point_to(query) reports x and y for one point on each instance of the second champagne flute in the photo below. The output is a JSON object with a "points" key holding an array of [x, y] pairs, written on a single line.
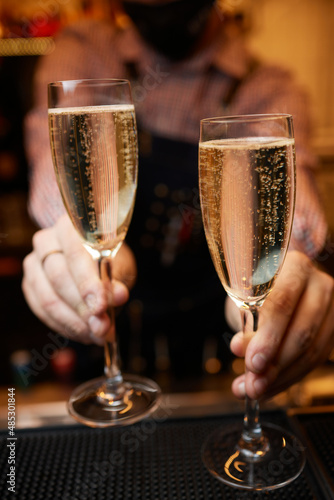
{"points": [[94, 149], [247, 190]]}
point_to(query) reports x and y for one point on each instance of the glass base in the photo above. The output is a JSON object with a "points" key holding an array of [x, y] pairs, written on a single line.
{"points": [[280, 463], [91, 404]]}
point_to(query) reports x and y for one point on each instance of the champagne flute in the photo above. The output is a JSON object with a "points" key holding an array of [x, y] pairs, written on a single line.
{"points": [[247, 192], [94, 149]]}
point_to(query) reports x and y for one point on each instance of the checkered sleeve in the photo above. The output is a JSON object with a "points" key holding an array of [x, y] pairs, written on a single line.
{"points": [[44, 203], [76, 56], [310, 228]]}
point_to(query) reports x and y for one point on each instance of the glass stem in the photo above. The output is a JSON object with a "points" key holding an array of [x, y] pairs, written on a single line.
{"points": [[112, 365], [252, 442]]}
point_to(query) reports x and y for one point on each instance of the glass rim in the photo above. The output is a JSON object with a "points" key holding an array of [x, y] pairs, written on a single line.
{"points": [[92, 82], [245, 118]]}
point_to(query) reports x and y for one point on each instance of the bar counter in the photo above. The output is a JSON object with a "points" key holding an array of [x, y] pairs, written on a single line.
{"points": [[158, 458]]}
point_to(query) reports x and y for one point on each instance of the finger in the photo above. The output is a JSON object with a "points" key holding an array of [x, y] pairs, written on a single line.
{"points": [[45, 241], [306, 329], [232, 314], [277, 378], [124, 266], [280, 375], [238, 345], [56, 270], [53, 311], [119, 293], [276, 313], [239, 342], [62, 282], [291, 375], [307, 340], [83, 269], [48, 307], [60, 279], [238, 387]]}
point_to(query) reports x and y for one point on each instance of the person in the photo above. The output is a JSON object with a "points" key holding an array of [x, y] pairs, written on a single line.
{"points": [[185, 61]]}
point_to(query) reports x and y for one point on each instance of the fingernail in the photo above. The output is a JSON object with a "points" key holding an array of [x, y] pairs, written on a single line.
{"points": [[91, 301], [95, 325], [260, 385], [259, 362], [242, 389]]}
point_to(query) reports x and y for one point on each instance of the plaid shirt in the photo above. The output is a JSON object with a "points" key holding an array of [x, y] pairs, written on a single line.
{"points": [[171, 98]]}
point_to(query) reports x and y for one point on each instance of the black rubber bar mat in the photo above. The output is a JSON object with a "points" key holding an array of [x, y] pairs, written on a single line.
{"points": [[156, 459], [317, 433]]}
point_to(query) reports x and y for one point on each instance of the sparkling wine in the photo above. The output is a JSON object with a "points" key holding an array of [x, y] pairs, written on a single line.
{"points": [[247, 191], [95, 155]]}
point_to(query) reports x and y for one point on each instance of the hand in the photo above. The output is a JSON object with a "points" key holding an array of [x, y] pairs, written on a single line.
{"points": [[295, 333], [65, 291]]}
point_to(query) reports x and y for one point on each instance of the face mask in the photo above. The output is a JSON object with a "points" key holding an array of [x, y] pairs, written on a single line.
{"points": [[172, 28]]}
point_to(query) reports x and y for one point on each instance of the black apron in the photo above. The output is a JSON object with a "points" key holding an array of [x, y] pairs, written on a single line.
{"points": [[178, 296]]}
